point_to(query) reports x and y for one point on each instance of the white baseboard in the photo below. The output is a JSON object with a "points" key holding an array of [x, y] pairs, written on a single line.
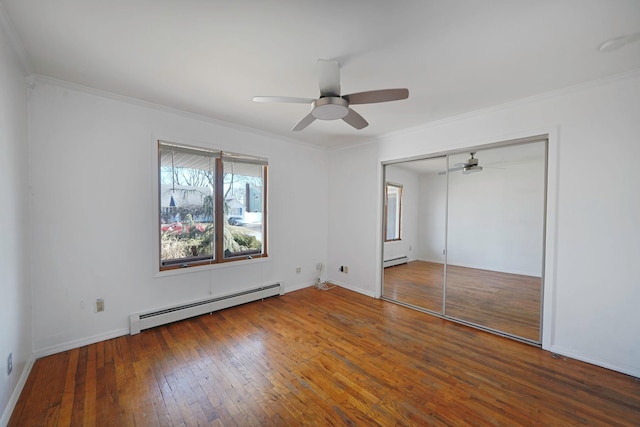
{"points": [[499, 270], [354, 289], [434, 261], [297, 287], [8, 410], [58, 348], [634, 372]]}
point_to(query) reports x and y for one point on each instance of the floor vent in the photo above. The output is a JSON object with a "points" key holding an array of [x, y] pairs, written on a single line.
{"points": [[395, 261], [151, 319]]}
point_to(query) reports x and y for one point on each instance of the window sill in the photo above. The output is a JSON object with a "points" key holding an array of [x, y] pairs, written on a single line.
{"points": [[207, 267]]}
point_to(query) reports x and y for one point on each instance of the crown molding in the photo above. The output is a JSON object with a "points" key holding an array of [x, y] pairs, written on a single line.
{"points": [[14, 41], [33, 80], [604, 81]]}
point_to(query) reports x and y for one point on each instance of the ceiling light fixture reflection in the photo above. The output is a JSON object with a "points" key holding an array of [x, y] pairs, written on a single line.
{"points": [[618, 42], [471, 169]]}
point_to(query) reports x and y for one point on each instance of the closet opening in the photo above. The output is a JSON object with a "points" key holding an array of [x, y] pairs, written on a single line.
{"points": [[473, 231]]}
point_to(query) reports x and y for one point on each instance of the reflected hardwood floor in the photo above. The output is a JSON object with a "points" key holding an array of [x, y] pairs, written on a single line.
{"points": [[315, 357], [418, 283], [502, 301], [506, 302]]}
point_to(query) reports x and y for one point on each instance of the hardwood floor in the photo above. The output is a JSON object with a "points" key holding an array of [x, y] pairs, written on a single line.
{"points": [[316, 357], [506, 302]]}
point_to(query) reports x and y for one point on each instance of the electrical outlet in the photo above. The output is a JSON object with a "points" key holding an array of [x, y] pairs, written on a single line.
{"points": [[346, 269], [298, 270], [10, 364], [99, 305]]}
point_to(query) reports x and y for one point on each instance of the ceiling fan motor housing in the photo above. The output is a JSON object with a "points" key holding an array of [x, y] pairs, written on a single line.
{"points": [[330, 108]]}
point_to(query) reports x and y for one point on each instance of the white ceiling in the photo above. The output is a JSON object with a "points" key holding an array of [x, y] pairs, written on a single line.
{"points": [[211, 57]]}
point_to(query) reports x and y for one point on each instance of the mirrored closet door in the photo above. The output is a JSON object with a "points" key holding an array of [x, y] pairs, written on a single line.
{"points": [[467, 239]]}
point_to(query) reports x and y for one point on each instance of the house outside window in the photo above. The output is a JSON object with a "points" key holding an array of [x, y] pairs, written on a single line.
{"points": [[211, 206]]}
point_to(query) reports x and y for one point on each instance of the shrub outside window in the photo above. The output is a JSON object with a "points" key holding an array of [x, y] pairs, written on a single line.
{"points": [[212, 206]]}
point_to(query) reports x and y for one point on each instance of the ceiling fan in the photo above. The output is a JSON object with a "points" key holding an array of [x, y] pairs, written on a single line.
{"points": [[333, 106], [471, 166]]}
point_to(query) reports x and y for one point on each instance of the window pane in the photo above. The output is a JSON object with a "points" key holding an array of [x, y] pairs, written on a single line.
{"points": [[187, 180], [243, 208], [392, 211]]}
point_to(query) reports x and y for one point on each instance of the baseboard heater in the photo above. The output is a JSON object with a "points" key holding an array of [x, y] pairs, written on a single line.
{"points": [[395, 261], [151, 319]]}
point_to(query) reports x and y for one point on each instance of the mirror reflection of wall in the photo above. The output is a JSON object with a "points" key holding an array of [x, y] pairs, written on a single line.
{"points": [[487, 214]]}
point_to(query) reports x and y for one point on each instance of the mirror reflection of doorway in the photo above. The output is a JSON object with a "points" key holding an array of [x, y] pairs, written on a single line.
{"points": [[471, 246]]}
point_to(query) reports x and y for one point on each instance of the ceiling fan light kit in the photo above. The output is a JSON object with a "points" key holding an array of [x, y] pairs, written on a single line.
{"points": [[331, 105], [330, 108], [471, 169]]}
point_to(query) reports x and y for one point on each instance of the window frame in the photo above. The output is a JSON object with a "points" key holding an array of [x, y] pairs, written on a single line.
{"points": [[398, 222], [218, 217]]}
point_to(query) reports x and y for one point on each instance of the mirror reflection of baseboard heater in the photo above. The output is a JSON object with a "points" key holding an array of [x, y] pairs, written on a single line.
{"points": [[395, 261]]}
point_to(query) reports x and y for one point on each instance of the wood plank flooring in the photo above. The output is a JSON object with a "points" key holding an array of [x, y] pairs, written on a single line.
{"points": [[506, 302], [316, 357]]}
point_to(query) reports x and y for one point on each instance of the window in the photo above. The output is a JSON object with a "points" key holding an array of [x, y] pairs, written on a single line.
{"points": [[243, 189], [392, 211], [212, 206]]}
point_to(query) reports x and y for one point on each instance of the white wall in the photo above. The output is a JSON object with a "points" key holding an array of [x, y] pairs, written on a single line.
{"points": [[407, 245], [15, 296], [92, 177], [355, 218], [592, 291]]}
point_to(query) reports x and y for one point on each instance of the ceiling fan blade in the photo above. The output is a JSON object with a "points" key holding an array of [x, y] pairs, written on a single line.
{"points": [[328, 77], [355, 120], [306, 121], [454, 169], [282, 99], [373, 96]]}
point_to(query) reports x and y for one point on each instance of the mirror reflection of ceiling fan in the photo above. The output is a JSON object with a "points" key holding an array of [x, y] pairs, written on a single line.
{"points": [[471, 166], [333, 106]]}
